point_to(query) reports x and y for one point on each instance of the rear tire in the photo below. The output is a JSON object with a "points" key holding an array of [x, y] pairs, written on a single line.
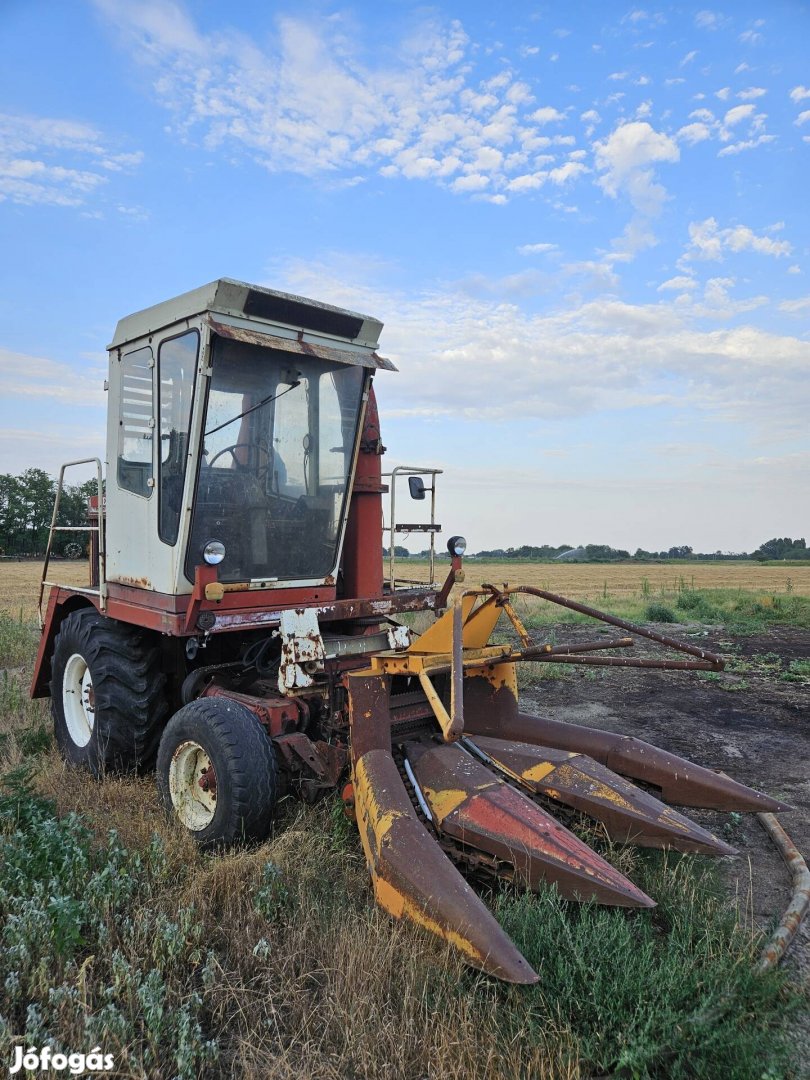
{"points": [[217, 772], [108, 695]]}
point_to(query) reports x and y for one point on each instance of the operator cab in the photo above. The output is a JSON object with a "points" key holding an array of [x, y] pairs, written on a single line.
{"points": [[234, 424]]}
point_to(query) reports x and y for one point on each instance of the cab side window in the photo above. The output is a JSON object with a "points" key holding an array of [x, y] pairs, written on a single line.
{"points": [[177, 363], [136, 422]]}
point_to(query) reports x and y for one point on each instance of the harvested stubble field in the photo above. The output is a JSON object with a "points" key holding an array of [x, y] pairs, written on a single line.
{"points": [[275, 961], [594, 580]]}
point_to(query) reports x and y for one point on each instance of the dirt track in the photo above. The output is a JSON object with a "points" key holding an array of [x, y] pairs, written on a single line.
{"points": [[750, 723]]}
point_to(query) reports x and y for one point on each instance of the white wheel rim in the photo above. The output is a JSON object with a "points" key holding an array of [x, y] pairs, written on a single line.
{"points": [[78, 700], [192, 786]]}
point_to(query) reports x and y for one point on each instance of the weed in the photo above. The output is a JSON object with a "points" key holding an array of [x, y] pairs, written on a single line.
{"points": [[798, 672], [658, 612], [533, 672], [67, 904]]}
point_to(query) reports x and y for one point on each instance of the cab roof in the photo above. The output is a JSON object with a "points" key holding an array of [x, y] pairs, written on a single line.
{"points": [[257, 305]]}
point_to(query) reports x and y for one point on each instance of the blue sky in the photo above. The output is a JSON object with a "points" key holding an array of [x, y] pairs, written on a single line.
{"points": [[584, 225]]}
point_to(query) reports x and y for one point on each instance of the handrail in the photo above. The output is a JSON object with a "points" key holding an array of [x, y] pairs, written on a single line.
{"points": [[101, 591], [432, 528]]}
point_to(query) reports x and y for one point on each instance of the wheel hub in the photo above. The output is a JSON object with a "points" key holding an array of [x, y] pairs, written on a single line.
{"points": [[78, 700], [193, 785]]}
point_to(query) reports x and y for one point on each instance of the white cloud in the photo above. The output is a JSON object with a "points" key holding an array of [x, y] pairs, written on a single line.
{"points": [[723, 93], [536, 249], [752, 93], [750, 37], [591, 118], [547, 115], [795, 269], [746, 144], [709, 20], [707, 241], [35, 377], [694, 133], [627, 159], [54, 162], [677, 284], [803, 117], [690, 56], [799, 93], [471, 182], [569, 171], [796, 307], [738, 113], [304, 101], [527, 182], [591, 356]]}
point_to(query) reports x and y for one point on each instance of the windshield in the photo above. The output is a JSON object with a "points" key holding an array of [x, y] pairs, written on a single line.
{"points": [[279, 435]]}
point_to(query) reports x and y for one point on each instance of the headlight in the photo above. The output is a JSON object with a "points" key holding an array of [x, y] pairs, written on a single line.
{"points": [[456, 545], [214, 552]]}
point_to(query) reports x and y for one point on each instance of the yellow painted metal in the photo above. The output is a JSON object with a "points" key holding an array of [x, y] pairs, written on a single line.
{"points": [[516, 621], [403, 663], [450, 730], [376, 824], [478, 626], [503, 676], [438, 638]]}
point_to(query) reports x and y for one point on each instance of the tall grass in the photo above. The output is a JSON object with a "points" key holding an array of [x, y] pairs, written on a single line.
{"points": [[738, 610]]}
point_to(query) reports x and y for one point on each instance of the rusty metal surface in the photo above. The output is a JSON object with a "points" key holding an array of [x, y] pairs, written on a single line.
{"points": [[680, 781], [800, 898], [629, 814], [612, 620], [296, 345], [473, 806], [413, 878], [278, 715], [629, 661], [582, 647], [369, 715], [314, 766]]}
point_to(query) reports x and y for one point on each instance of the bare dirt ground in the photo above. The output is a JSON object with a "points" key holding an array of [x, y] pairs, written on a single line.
{"points": [[749, 722]]}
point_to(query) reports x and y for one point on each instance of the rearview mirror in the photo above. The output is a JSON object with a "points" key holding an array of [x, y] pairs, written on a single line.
{"points": [[417, 487]]}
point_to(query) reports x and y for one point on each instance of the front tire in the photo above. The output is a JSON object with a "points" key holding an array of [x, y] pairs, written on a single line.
{"points": [[217, 773], [108, 695]]}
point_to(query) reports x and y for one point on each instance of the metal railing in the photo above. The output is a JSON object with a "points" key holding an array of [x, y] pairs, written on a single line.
{"points": [[395, 527], [101, 591]]}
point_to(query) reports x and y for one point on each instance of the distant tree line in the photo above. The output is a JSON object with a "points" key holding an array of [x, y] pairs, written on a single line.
{"points": [[26, 506]]}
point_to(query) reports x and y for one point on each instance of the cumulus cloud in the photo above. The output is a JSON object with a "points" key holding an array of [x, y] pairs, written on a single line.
{"points": [[627, 160], [707, 241], [799, 93], [547, 115], [694, 133], [677, 284]]}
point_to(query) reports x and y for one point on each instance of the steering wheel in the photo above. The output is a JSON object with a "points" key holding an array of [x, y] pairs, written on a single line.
{"points": [[260, 472]]}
